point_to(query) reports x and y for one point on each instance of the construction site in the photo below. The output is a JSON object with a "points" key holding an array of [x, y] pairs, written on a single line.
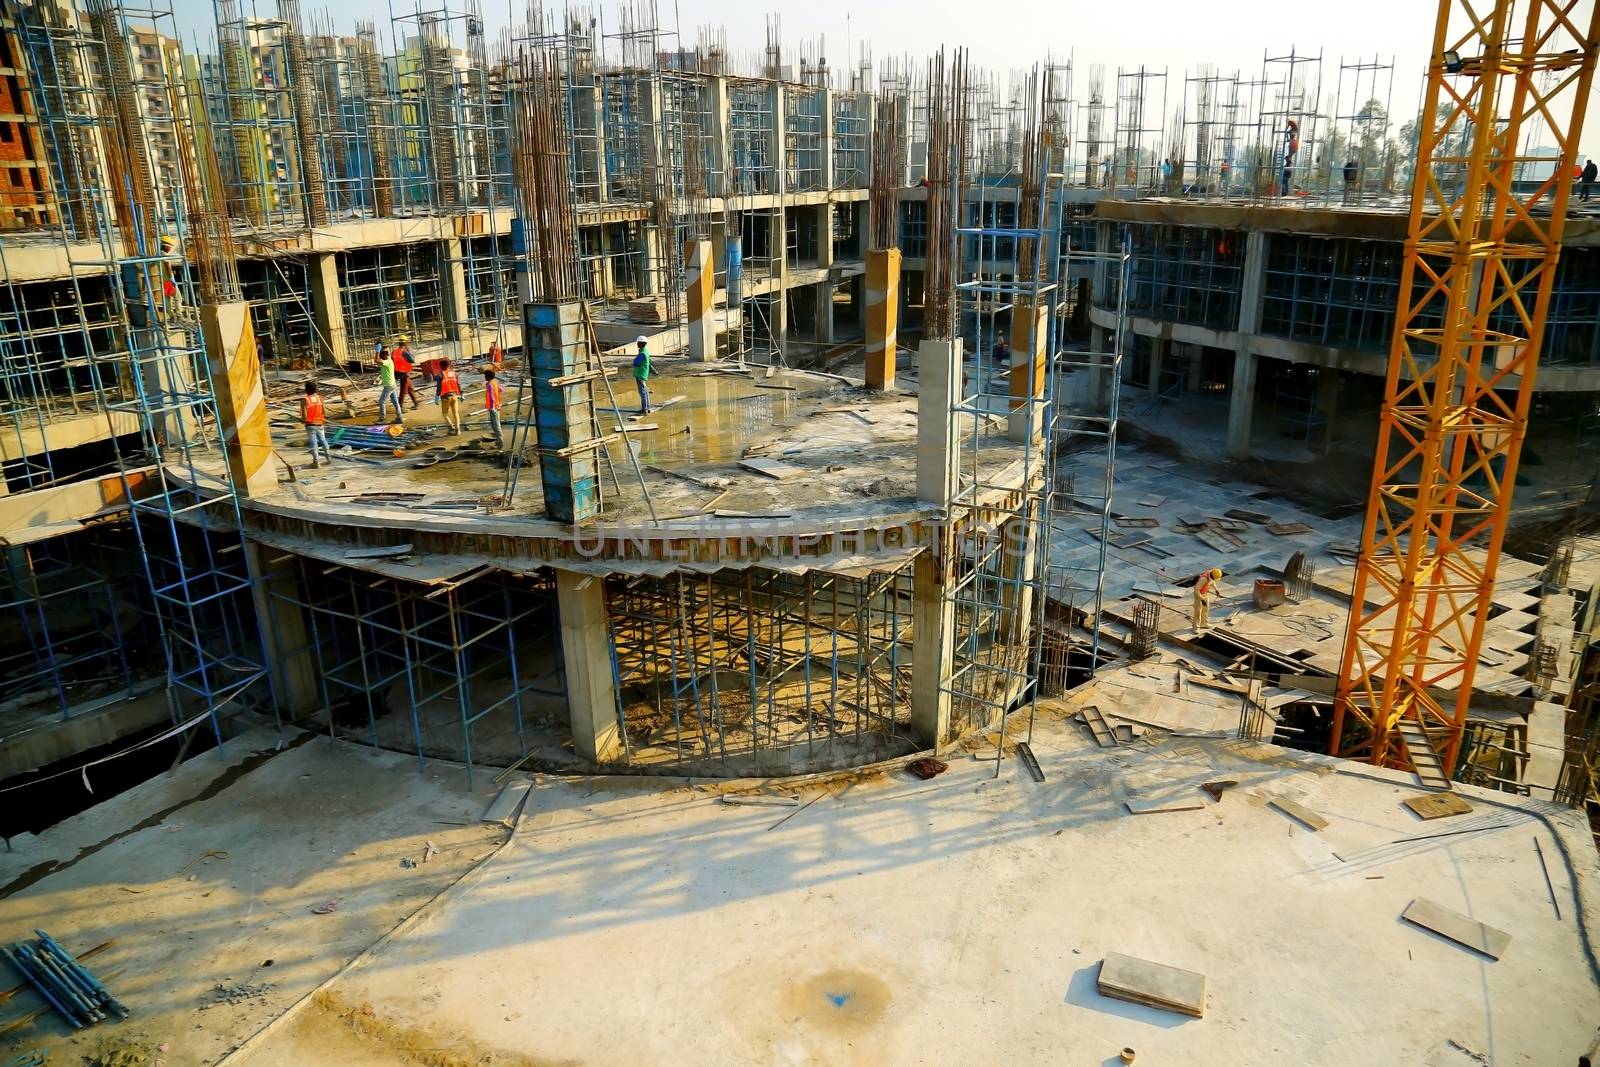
{"points": [[1062, 564]]}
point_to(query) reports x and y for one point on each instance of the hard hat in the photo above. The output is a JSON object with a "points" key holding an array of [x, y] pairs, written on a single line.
{"points": [[639, 340], [404, 338], [1216, 572]]}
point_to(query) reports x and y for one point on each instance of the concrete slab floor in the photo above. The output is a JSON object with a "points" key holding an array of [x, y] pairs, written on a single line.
{"points": [[963, 920], [201, 878]]}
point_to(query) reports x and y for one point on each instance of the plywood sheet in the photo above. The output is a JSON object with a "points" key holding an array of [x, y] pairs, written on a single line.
{"points": [[1154, 984], [772, 468], [1461, 929], [1299, 813], [1438, 805]]}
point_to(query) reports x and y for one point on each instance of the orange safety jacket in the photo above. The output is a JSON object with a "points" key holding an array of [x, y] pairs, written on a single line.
{"points": [[448, 384], [492, 394], [314, 411], [402, 365]]}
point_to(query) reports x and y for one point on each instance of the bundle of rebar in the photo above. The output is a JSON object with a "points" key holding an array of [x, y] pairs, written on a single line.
{"points": [[543, 180], [64, 983], [302, 94], [947, 144], [438, 92], [374, 98], [888, 164], [1031, 190], [129, 154]]}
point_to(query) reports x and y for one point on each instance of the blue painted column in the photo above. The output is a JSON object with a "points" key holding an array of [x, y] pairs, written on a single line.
{"points": [[564, 378]]}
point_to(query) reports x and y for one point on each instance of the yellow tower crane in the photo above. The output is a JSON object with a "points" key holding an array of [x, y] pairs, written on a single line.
{"points": [[1505, 78]]}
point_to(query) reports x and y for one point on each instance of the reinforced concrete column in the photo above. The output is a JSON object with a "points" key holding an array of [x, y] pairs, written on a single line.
{"points": [[1020, 565], [1241, 402], [1025, 422], [241, 404], [1195, 368], [327, 309], [285, 641], [1242, 397], [586, 655], [823, 298], [721, 178], [1100, 359], [883, 312], [650, 261], [453, 288], [700, 289], [1158, 354], [933, 573]]}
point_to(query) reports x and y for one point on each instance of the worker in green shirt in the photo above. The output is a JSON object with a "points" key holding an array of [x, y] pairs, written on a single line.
{"points": [[641, 374]]}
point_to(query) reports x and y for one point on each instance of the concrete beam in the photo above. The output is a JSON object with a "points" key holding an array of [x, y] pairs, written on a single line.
{"points": [[36, 439], [586, 655], [241, 404]]}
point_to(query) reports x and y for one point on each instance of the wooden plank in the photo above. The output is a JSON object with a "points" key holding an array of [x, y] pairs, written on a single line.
{"points": [[379, 553], [1299, 813], [588, 446], [1284, 529], [1154, 984], [1138, 806], [1214, 540], [1437, 806], [773, 468], [635, 427], [1462, 929]]}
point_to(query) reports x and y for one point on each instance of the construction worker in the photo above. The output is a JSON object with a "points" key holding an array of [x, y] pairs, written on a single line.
{"points": [[496, 353], [315, 419], [1291, 149], [1352, 173], [1205, 589], [641, 374], [494, 395], [449, 395], [389, 387], [403, 366], [1586, 179]]}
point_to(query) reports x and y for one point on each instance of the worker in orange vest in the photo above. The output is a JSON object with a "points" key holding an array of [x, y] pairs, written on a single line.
{"points": [[449, 395], [315, 418], [1205, 588], [403, 366], [494, 395]]}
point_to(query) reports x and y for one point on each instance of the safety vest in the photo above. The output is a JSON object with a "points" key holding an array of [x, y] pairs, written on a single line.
{"points": [[1205, 585], [492, 392], [314, 414], [402, 365], [448, 385]]}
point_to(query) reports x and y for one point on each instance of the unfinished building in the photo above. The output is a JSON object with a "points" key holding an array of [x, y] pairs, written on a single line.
{"points": [[792, 420]]}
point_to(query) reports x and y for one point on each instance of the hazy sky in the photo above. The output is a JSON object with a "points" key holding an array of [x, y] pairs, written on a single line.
{"points": [[1178, 35]]}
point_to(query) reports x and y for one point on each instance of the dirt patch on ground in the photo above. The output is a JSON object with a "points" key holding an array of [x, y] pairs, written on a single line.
{"points": [[359, 1034]]}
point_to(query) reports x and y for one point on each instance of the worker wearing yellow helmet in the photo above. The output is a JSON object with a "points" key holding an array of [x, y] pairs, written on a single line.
{"points": [[1206, 588]]}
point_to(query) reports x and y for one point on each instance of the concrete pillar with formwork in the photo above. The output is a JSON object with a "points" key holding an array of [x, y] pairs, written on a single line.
{"points": [[564, 374], [1020, 571], [1029, 356], [650, 261], [700, 286], [721, 176], [453, 289], [827, 139], [586, 655], [933, 573], [883, 313], [241, 403], [286, 645], [327, 309], [1242, 395]]}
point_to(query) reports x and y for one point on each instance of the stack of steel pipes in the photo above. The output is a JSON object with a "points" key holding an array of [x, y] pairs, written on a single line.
{"points": [[63, 982]]}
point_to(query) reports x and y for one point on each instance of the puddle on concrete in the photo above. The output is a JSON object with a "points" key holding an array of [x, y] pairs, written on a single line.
{"points": [[717, 419]]}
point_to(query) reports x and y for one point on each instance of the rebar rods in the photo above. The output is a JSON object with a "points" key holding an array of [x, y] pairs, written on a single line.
{"points": [[543, 180], [947, 123]]}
